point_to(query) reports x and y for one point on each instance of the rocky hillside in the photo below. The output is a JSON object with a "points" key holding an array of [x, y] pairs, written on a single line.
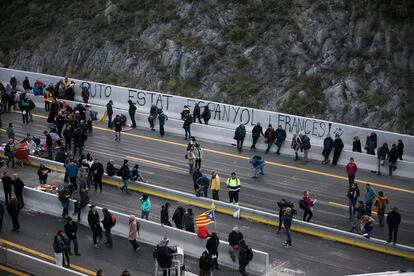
{"points": [[348, 61]]}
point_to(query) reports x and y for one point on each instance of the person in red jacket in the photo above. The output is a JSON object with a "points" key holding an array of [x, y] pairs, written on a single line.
{"points": [[351, 169], [307, 206], [202, 232]]}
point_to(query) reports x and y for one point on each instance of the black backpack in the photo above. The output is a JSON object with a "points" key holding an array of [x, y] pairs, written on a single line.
{"points": [[205, 261]]}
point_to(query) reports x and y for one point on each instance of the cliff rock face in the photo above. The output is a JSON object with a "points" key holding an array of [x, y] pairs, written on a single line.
{"points": [[349, 61]]}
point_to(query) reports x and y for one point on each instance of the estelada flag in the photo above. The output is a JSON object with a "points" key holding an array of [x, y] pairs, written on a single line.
{"points": [[205, 218]]}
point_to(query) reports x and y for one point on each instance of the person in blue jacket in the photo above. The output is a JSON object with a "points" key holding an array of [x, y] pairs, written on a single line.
{"points": [[287, 218], [328, 144], [258, 163], [369, 198]]}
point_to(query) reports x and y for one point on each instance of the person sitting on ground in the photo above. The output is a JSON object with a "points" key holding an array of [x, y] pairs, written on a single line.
{"points": [[136, 175], [111, 170], [367, 226]]}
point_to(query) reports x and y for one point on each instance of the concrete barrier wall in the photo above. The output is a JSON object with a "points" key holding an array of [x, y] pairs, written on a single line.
{"points": [[225, 136], [223, 115], [252, 214], [32, 265], [150, 232]]}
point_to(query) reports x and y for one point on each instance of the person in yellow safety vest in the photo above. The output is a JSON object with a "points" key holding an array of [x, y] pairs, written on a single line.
{"points": [[233, 184], [48, 99]]}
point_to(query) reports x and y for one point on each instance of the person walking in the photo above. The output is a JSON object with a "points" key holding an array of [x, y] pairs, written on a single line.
{"points": [[258, 164], [198, 151], [215, 185], [353, 195], [296, 143], [197, 113], [7, 186], [152, 116], [212, 247], [13, 209], [382, 156], [205, 264], [71, 171], [356, 144], [393, 221], [64, 196], [10, 152], [270, 136], [109, 112], [380, 207], [97, 173], [188, 220], [371, 143], [392, 159], [307, 205], [235, 236], [42, 172], [162, 118], [338, 146], [305, 146], [18, 189], [280, 135], [164, 215], [132, 234], [26, 85], [95, 225], [190, 156], [145, 206], [328, 145], [68, 135], [71, 231], [178, 217], [287, 218], [58, 247], [233, 184], [369, 198], [117, 128], [108, 222], [131, 110], [188, 120], [282, 204], [257, 131], [400, 149], [206, 115], [245, 256], [351, 169], [82, 202], [125, 175], [239, 135], [202, 186]]}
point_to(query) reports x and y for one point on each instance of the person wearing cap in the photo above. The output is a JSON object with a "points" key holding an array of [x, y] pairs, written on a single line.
{"points": [[233, 184], [133, 230], [164, 254], [131, 110], [71, 230], [109, 112], [338, 145]]}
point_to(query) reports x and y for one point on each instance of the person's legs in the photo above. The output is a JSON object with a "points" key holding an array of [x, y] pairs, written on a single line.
{"points": [[162, 130], [236, 197], [351, 205], [381, 218], [215, 195], [75, 246], [231, 196], [269, 145], [351, 179], [368, 206], [310, 215], [253, 146], [305, 155], [109, 121], [50, 152], [100, 182], [288, 236], [94, 235], [108, 236], [394, 239]]}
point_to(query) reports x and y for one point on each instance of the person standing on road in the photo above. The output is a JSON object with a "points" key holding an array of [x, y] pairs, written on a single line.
{"points": [[13, 208], [7, 186], [188, 221], [18, 188], [257, 131], [206, 115], [270, 136], [58, 248], [10, 132], [351, 169], [1, 216], [161, 121], [68, 135], [245, 256], [71, 231], [338, 146], [152, 116], [145, 206], [382, 156], [393, 221], [118, 128], [97, 173], [94, 223], [188, 120], [212, 246], [280, 135], [328, 145], [235, 237], [258, 164], [132, 235], [108, 222], [400, 149], [109, 112], [198, 151], [239, 135], [215, 185], [10, 152], [165, 217], [392, 159], [307, 206], [72, 172], [369, 198], [42, 172], [296, 142], [64, 196], [233, 184], [380, 206], [371, 143], [125, 175], [205, 264], [178, 217], [131, 110], [49, 145], [190, 159], [202, 186], [82, 202], [353, 194], [287, 218], [197, 113]]}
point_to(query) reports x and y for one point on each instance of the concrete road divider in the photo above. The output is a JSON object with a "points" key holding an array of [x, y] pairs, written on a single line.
{"points": [[150, 232], [249, 213]]}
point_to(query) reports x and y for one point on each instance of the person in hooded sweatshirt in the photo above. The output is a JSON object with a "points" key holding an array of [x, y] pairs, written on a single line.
{"points": [[164, 254], [245, 256], [235, 237], [212, 246]]}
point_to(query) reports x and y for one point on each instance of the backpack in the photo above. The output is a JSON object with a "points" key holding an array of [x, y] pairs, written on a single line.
{"points": [[250, 254], [113, 218], [7, 150], [302, 204], [205, 261]]}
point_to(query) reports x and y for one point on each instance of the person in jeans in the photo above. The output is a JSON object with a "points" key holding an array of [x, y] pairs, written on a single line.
{"points": [[125, 174], [353, 194], [239, 135], [393, 221], [369, 198], [107, 224], [58, 247], [258, 164], [256, 132], [145, 206], [132, 235], [327, 148], [71, 230], [287, 218], [95, 224]]}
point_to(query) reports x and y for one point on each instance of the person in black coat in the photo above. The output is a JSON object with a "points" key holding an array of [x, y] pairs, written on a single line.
{"points": [[165, 218], [1, 216], [125, 174], [18, 188], [110, 168], [393, 221], [68, 135], [107, 225], [71, 230], [235, 237], [392, 159], [400, 149], [94, 223], [197, 113], [164, 255], [212, 246], [131, 110], [26, 85], [371, 143], [245, 256], [97, 173], [13, 208], [109, 112], [338, 146], [256, 132], [61, 155], [7, 186], [196, 175], [206, 115]]}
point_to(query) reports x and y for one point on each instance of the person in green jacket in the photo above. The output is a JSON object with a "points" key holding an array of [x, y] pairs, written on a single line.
{"points": [[239, 136], [145, 206]]}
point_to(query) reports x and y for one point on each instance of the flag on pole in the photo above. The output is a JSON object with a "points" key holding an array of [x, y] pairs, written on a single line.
{"points": [[205, 218]]}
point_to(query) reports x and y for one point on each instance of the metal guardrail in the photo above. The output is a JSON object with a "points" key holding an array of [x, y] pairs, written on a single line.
{"points": [[252, 214], [150, 232]]}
